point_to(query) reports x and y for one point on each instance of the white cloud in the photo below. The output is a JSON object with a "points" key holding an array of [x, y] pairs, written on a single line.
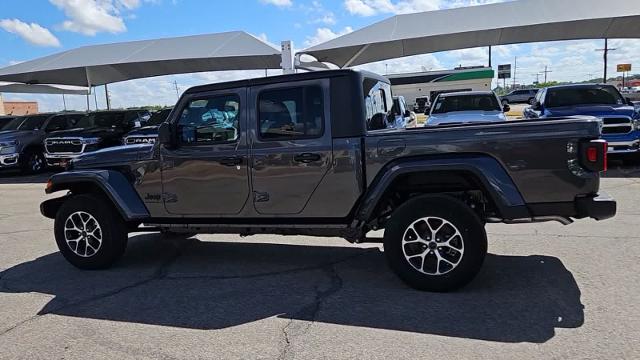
{"points": [[32, 33], [90, 17], [278, 3], [373, 7], [325, 34]]}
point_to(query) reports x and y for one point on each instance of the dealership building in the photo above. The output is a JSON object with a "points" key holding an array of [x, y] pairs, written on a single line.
{"points": [[18, 107], [431, 83]]}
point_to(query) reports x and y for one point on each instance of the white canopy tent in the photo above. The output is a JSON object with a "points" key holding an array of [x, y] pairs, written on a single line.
{"points": [[104, 64], [42, 89], [505, 23]]}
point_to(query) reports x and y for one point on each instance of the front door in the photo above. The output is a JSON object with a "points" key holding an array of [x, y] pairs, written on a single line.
{"points": [[207, 173], [291, 145]]}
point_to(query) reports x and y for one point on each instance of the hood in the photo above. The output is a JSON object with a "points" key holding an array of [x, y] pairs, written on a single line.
{"points": [[146, 130], [466, 117], [86, 133], [14, 135], [592, 110], [114, 156]]}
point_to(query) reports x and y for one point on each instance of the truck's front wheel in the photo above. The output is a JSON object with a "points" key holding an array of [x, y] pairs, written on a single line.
{"points": [[89, 233], [435, 243]]}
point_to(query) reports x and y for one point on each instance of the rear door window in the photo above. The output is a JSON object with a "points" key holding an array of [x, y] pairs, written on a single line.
{"points": [[292, 113]]}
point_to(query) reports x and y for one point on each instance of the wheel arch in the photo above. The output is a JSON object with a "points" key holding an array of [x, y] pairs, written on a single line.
{"points": [[113, 185], [441, 174]]}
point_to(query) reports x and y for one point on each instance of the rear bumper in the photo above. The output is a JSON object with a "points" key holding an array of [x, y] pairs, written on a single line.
{"points": [[599, 207]]}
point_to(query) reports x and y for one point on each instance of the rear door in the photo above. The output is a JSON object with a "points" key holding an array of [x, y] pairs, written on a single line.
{"points": [[206, 174], [291, 148]]}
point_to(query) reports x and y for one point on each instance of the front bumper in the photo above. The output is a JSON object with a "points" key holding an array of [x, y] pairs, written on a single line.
{"points": [[9, 160], [59, 160], [623, 147]]}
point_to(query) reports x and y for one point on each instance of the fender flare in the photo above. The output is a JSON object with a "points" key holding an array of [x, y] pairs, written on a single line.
{"points": [[112, 183], [494, 178]]}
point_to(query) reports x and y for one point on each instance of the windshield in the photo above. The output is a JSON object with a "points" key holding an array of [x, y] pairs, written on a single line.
{"points": [[35, 122], [158, 117], [446, 104], [102, 120], [12, 125], [601, 95]]}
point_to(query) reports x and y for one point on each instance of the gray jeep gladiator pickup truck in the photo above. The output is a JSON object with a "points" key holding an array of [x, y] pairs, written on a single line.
{"points": [[294, 154]]}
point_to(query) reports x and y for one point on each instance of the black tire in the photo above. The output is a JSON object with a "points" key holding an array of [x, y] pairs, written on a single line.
{"points": [[32, 162], [112, 226], [468, 262]]}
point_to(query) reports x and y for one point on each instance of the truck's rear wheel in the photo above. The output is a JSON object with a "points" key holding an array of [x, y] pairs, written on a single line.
{"points": [[435, 243], [89, 233]]}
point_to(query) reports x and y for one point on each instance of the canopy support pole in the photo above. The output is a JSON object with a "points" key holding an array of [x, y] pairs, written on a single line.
{"points": [[86, 72], [106, 94], [490, 56], [287, 57], [355, 56], [64, 102]]}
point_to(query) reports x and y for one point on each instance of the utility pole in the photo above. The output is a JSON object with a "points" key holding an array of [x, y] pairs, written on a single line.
{"points": [[546, 71], [606, 53], [175, 84]]}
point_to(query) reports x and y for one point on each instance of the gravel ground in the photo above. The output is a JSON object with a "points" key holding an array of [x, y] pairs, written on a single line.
{"points": [[545, 291]]}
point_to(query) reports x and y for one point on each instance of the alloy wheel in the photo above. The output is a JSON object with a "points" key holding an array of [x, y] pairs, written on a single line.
{"points": [[433, 245]]}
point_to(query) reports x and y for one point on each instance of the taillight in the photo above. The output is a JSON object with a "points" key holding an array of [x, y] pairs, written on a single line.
{"points": [[593, 155]]}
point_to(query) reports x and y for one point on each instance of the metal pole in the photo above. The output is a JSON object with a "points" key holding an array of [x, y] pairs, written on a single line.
{"points": [[64, 102], [606, 51], [95, 98], [515, 71], [490, 56], [106, 94], [87, 102]]}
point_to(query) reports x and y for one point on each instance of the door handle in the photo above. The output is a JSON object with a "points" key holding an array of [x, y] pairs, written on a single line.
{"points": [[231, 161], [307, 157]]}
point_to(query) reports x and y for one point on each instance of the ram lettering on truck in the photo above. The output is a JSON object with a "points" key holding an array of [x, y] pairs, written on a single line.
{"points": [[297, 154]]}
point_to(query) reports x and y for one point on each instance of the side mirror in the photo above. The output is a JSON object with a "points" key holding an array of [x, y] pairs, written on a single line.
{"points": [[506, 108], [629, 102], [165, 135], [407, 113], [537, 106]]}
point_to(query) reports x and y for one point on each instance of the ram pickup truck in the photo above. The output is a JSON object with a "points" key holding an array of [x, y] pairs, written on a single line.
{"points": [[94, 131], [295, 154], [620, 119], [148, 133], [21, 144]]}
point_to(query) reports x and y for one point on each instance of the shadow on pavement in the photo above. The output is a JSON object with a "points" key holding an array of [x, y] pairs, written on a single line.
{"points": [[209, 285]]}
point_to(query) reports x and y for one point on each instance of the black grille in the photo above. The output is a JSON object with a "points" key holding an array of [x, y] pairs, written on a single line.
{"points": [[616, 125], [63, 146]]}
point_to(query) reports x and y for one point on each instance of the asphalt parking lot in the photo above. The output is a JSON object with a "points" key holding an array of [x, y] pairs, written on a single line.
{"points": [[546, 291]]}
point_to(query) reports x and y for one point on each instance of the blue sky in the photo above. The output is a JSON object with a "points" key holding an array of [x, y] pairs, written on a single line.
{"points": [[34, 28]]}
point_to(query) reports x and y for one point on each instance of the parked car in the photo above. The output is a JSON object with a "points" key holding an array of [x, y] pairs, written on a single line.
{"points": [[21, 145], [148, 133], [621, 120], [5, 120], [466, 107], [403, 116], [422, 105], [294, 154], [94, 131], [520, 96]]}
